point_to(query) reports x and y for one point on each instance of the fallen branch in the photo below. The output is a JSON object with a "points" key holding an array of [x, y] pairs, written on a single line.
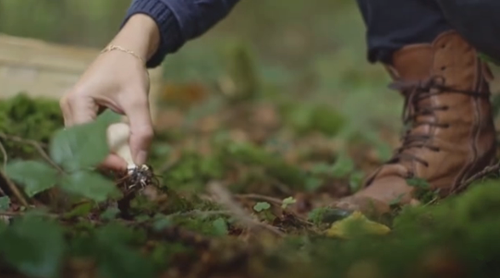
{"points": [[225, 199]]}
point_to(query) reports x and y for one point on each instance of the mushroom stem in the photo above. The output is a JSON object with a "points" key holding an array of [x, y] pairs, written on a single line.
{"points": [[118, 135]]}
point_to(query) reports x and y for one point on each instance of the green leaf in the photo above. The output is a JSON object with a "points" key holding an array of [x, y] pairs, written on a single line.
{"points": [[142, 218], [115, 234], [161, 222], [90, 185], [220, 227], [82, 146], [321, 168], [110, 213], [396, 200], [312, 184], [116, 258], [418, 183], [261, 206], [35, 176], [488, 58], [4, 203], [34, 246], [288, 201], [316, 215], [356, 180], [343, 166], [80, 210]]}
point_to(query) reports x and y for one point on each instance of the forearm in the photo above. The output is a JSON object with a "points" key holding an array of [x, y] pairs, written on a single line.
{"points": [[177, 21], [141, 35]]}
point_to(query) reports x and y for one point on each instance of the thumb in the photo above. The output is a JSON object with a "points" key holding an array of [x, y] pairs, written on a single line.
{"points": [[141, 129]]}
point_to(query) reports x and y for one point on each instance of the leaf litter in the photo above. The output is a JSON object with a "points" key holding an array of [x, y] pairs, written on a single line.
{"points": [[228, 203]]}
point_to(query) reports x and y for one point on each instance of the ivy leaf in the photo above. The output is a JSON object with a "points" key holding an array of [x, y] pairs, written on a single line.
{"points": [[82, 146], [35, 176], [220, 227], [34, 246], [90, 185], [4, 203], [261, 206]]}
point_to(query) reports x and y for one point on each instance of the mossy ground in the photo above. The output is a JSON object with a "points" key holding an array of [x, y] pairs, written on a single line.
{"points": [[280, 177]]}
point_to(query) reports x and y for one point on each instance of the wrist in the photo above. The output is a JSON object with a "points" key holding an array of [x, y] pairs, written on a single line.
{"points": [[140, 34]]}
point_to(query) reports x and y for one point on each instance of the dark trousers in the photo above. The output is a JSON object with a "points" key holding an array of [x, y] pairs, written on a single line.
{"points": [[392, 24]]}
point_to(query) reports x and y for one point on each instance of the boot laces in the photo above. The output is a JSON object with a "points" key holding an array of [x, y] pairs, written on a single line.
{"points": [[414, 92]]}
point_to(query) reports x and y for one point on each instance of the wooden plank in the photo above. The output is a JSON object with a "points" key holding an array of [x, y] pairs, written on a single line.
{"points": [[46, 69]]}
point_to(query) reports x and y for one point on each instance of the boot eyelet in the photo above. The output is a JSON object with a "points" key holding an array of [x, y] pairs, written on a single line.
{"points": [[443, 68]]}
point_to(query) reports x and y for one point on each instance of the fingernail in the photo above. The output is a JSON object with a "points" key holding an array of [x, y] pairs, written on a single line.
{"points": [[141, 157]]}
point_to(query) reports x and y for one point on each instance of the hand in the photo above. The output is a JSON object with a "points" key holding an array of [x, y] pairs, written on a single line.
{"points": [[118, 81]]}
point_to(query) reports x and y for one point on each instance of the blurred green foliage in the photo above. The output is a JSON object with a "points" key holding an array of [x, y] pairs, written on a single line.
{"points": [[311, 50], [24, 117], [81, 22]]}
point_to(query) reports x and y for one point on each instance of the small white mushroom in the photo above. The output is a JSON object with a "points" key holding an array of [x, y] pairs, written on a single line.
{"points": [[118, 136]]}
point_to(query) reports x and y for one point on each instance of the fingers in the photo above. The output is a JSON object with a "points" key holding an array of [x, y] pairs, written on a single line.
{"points": [[141, 127], [78, 109], [114, 162], [82, 108]]}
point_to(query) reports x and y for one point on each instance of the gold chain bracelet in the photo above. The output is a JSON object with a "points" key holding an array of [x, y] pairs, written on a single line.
{"points": [[112, 47], [119, 48]]}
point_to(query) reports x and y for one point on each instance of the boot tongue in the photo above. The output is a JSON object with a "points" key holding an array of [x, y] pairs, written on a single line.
{"points": [[413, 63]]}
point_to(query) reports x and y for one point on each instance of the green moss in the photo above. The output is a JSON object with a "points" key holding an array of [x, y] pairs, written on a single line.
{"points": [[304, 118], [28, 118]]}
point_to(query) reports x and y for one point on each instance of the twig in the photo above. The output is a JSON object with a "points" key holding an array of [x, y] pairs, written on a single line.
{"points": [[201, 213], [35, 144], [269, 199], [281, 186], [225, 199], [485, 172], [14, 189], [5, 156]]}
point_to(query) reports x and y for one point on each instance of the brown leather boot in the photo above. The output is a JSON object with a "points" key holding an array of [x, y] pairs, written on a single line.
{"points": [[451, 135]]}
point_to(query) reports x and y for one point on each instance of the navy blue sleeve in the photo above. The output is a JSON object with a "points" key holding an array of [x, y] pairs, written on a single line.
{"points": [[179, 20]]}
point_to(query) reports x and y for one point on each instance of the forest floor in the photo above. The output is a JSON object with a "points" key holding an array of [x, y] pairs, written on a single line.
{"points": [[242, 192]]}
